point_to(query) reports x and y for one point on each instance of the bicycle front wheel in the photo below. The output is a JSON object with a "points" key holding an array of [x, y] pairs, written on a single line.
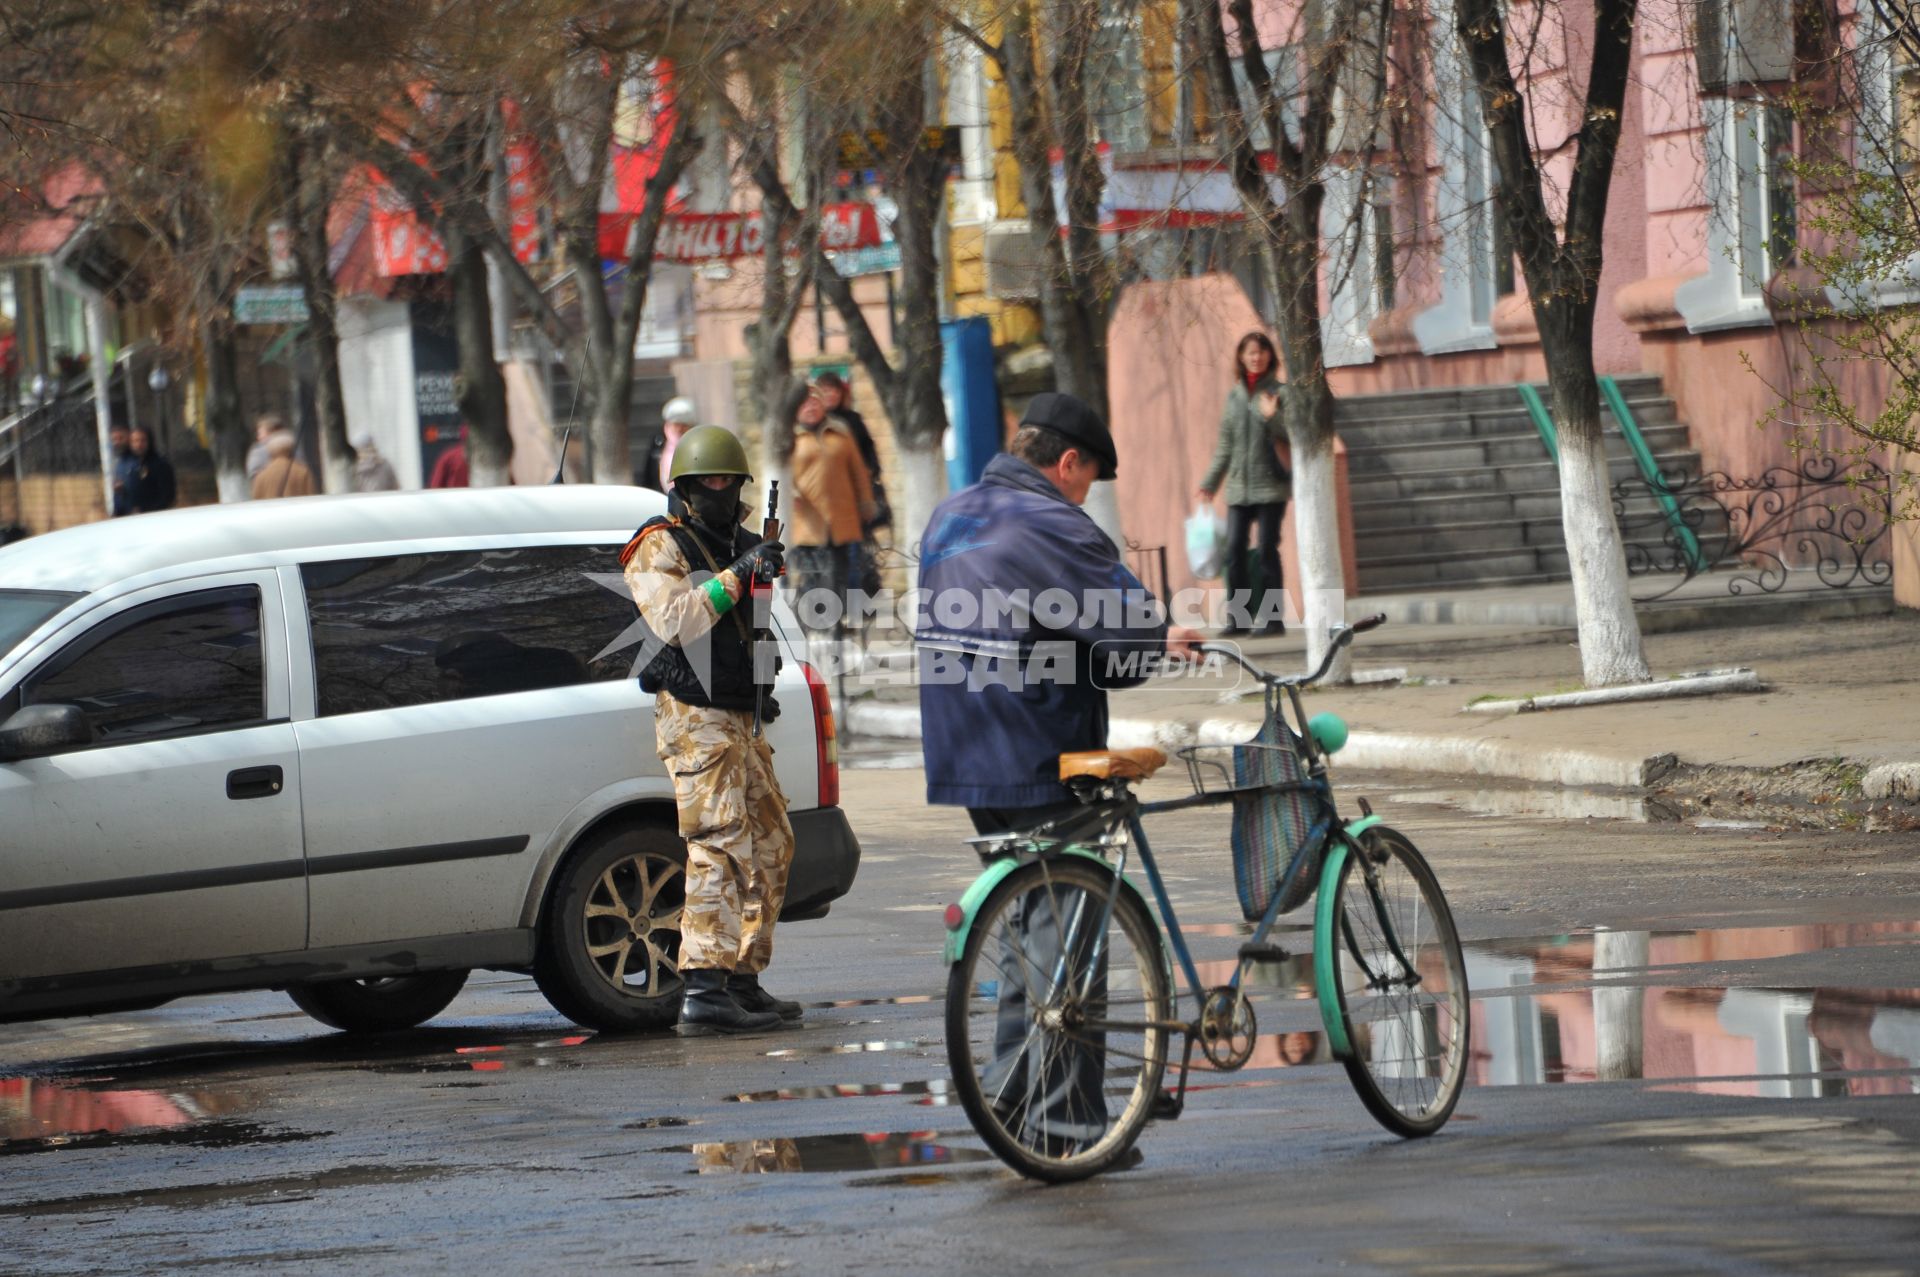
{"points": [[1057, 1025], [1399, 984]]}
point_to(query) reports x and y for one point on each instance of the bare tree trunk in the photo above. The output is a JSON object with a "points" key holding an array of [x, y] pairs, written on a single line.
{"points": [[311, 195], [480, 388], [1619, 1011]]}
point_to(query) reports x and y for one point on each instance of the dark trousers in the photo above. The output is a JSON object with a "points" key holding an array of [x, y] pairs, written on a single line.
{"points": [[1241, 520], [1044, 1096]]}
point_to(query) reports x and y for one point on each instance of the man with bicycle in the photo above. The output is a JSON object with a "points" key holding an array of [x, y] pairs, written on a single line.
{"points": [[1029, 618]]}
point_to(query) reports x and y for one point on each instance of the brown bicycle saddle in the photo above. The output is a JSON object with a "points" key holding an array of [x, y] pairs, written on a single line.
{"points": [[1112, 764]]}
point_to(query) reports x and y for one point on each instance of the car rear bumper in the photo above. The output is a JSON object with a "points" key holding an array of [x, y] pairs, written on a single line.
{"points": [[826, 856]]}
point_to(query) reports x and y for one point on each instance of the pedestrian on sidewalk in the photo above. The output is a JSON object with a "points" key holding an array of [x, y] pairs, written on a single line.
{"points": [[265, 427], [371, 471], [710, 698], [284, 475], [837, 395], [1003, 693], [833, 500], [679, 416], [124, 467], [152, 484], [1258, 483]]}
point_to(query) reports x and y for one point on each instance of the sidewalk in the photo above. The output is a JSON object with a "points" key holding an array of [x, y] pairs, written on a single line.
{"points": [[1840, 686]]}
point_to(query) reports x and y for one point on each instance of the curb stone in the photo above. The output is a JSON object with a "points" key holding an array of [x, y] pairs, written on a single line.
{"points": [[1371, 751]]}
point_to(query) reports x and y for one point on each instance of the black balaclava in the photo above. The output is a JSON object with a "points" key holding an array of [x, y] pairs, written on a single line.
{"points": [[717, 510]]}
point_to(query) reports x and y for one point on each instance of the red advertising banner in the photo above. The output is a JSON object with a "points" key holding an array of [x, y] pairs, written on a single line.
{"points": [[712, 237]]}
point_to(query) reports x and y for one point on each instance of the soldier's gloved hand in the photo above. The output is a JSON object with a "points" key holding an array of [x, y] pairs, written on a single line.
{"points": [[763, 562]]}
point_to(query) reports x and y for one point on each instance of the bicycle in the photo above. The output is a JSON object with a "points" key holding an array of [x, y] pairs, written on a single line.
{"points": [[1059, 1005]]}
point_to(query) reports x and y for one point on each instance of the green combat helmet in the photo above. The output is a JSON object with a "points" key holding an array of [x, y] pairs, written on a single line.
{"points": [[708, 450]]}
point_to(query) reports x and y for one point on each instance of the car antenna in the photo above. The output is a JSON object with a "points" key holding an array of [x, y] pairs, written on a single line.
{"points": [[560, 473]]}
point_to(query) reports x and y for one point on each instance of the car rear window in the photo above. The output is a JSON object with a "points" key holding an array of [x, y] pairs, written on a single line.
{"points": [[22, 611], [416, 629]]}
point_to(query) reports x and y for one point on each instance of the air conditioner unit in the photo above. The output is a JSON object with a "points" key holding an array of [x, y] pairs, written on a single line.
{"points": [[1013, 261]]}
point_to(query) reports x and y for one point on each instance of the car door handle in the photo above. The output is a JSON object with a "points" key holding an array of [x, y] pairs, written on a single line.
{"points": [[255, 782]]}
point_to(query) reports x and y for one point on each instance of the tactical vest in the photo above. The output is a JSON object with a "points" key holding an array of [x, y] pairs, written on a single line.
{"points": [[727, 647]]}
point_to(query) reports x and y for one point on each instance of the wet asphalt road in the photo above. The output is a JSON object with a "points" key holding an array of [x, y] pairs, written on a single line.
{"points": [[1771, 1125]]}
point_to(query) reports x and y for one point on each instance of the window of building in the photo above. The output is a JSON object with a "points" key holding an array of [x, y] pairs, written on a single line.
{"points": [[1768, 217], [1283, 67], [1904, 97], [1116, 78], [1385, 276], [417, 629], [173, 668]]}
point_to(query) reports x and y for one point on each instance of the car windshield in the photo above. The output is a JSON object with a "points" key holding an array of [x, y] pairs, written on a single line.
{"points": [[22, 611]]}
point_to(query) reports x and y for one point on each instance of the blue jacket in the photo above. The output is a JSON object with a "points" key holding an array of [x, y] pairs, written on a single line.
{"points": [[1027, 617]]}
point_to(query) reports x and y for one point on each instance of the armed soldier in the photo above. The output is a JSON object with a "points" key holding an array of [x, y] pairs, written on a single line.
{"points": [[691, 572]]}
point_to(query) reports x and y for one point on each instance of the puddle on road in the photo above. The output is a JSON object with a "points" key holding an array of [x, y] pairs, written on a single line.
{"points": [[806, 1154], [1528, 803], [933, 1093], [1778, 1042], [497, 1057], [37, 1115], [911, 999], [849, 1049]]}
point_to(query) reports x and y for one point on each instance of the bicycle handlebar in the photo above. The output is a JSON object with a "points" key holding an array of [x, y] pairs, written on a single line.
{"points": [[1341, 637]]}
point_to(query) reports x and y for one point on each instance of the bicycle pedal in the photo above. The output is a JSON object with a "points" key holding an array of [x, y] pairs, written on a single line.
{"points": [[1166, 1107], [1263, 953]]}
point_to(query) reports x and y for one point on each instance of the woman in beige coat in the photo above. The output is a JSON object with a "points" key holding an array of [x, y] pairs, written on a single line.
{"points": [[833, 503]]}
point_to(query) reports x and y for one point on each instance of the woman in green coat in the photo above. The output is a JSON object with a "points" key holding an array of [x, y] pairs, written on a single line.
{"points": [[1258, 483]]}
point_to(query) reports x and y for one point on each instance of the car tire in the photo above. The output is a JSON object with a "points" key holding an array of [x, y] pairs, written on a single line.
{"points": [[381, 1004], [610, 932]]}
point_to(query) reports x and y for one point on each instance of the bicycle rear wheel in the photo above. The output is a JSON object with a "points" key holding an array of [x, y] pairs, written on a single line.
{"points": [[1056, 1027], [1399, 983]]}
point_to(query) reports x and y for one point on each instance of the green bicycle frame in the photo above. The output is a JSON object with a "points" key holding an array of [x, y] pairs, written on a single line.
{"points": [[1326, 939], [992, 876]]}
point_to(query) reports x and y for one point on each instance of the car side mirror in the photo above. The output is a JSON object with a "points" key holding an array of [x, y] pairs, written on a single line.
{"points": [[38, 730]]}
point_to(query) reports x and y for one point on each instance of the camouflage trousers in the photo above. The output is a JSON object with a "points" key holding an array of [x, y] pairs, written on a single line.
{"points": [[739, 843]]}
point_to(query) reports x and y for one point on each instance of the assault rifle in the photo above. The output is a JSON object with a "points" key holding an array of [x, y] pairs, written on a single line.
{"points": [[769, 531]]}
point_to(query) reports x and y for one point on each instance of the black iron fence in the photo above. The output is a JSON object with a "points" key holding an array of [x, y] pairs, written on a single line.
{"points": [[1825, 520]]}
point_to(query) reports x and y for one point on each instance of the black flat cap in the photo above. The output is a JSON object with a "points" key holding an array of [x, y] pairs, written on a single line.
{"points": [[1071, 417]]}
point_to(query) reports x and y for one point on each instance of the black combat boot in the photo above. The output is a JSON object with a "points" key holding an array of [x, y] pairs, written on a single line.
{"points": [[708, 1009], [747, 992]]}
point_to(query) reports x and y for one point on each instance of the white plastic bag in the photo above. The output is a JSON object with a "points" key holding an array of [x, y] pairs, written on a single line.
{"points": [[1206, 542]]}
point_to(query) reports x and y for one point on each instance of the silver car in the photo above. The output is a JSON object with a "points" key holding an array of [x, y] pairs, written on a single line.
{"points": [[354, 747]]}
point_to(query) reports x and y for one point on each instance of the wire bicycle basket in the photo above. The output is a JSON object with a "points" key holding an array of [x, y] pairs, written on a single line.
{"points": [[1272, 813]]}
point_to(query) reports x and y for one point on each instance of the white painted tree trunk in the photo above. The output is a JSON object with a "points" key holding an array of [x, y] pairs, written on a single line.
{"points": [[480, 475], [1619, 1027], [608, 465], [1103, 504], [232, 484], [1610, 650], [922, 481], [336, 471], [1322, 592]]}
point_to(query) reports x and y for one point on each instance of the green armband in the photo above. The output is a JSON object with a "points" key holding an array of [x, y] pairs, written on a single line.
{"points": [[716, 588]]}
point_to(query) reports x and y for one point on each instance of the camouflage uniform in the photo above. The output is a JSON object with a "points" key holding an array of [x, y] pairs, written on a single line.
{"points": [[732, 812]]}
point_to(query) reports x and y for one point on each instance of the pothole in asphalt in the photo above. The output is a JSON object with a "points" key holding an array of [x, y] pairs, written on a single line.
{"points": [[858, 1151]]}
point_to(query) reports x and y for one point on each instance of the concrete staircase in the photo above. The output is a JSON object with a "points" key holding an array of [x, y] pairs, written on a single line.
{"points": [[1454, 488]]}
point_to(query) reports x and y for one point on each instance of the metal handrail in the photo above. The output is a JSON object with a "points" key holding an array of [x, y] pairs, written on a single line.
{"points": [[1650, 471]]}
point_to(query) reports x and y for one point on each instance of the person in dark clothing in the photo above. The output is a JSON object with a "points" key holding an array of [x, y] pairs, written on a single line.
{"points": [[1030, 617], [124, 468], [152, 485], [837, 396], [1258, 484]]}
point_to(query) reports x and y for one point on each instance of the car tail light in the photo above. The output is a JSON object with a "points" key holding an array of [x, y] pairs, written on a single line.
{"points": [[826, 743]]}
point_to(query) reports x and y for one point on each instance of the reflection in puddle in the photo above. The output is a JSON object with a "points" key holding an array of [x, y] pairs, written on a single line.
{"points": [[1770, 1042], [848, 1048], [499, 1058], [911, 999], [935, 1092], [879, 1150], [31, 1109]]}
